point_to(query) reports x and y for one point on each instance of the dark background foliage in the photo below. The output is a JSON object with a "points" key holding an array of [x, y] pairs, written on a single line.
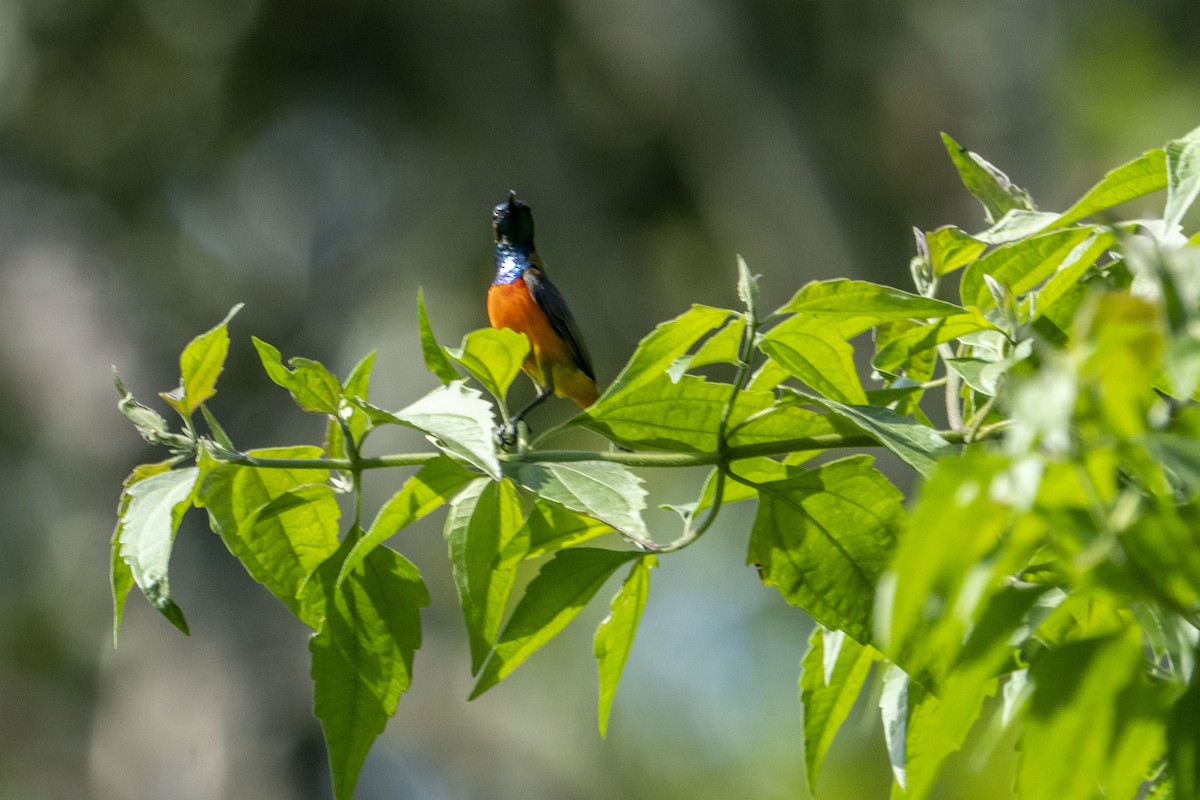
{"points": [[161, 160]]}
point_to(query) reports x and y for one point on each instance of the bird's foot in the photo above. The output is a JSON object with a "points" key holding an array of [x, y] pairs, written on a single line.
{"points": [[513, 433]]}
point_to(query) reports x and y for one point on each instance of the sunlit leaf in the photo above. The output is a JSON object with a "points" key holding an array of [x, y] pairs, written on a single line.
{"points": [[614, 637], [149, 423], [720, 348], [656, 352], [990, 186], [1144, 175], [666, 415], [938, 724], [1091, 727], [436, 360], [608, 492], [484, 521], [432, 485], [957, 522], [314, 387], [563, 586], [280, 523], [120, 573], [550, 527], [900, 349], [1017, 223], [357, 386], [825, 536], [493, 356], [1022, 265], [894, 711], [457, 419], [951, 248], [200, 363], [747, 288], [811, 351], [147, 534], [1070, 273], [362, 657], [833, 673], [1183, 740], [787, 420], [849, 298], [917, 445], [1183, 176]]}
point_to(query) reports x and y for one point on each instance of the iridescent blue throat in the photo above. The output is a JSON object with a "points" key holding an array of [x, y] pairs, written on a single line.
{"points": [[511, 262]]}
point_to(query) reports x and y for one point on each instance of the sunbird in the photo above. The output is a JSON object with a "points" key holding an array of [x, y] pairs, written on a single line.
{"points": [[522, 298]]}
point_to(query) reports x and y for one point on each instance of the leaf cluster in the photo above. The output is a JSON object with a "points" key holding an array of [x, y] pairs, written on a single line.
{"points": [[1048, 556]]}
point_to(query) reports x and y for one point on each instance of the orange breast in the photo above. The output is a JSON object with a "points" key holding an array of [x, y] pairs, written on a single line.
{"points": [[509, 305]]}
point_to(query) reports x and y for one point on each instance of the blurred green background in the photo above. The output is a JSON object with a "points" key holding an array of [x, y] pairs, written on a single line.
{"points": [[161, 160]]}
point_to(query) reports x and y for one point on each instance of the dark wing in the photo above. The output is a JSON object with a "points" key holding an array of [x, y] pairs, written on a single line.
{"points": [[547, 296]]}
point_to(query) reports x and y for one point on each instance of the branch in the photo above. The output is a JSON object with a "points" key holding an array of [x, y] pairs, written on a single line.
{"points": [[830, 441]]}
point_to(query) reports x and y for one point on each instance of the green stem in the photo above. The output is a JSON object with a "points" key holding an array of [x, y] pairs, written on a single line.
{"points": [[953, 387], [827, 441], [353, 457]]}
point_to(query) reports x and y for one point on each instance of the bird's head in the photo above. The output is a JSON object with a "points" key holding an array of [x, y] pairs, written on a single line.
{"points": [[512, 222]]}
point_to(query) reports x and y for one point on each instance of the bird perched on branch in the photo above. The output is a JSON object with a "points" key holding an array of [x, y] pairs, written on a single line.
{"points": [[522, 297]]}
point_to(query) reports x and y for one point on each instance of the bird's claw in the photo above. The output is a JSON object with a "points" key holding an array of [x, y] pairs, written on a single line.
{"points": [[506, 435], [513, 433]]}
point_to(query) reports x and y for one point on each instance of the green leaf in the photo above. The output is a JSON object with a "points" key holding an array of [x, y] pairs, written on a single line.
{"points": [[552, 527], [951, 248], [436, 360], [787, 420], [720, 348], [956, 524], [1145, 174], [917, 445], [431, 486], [990, 186], [833, 673], [147, 534], [614, 637], [747, 288], [149, 423], [1091, 727], [1022, 265], [894, 711], [314, 388], [1071, 273], [986, 376], [1017, 224], [280, 523], [120, 574], [848, 298], [825, 536], [656, 352], [563, 586], [362, 657], [458, 420], [358, 383], [199, 366], [1183, 739], [356, 387], [1183, 177], [482, 529], [608, 492], [493, 357], [901, 349], [938, 725], [817, 354], [665, 415]]}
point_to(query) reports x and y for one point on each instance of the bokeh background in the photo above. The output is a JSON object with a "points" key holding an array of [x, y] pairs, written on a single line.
{"points": [[161, 160]]}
